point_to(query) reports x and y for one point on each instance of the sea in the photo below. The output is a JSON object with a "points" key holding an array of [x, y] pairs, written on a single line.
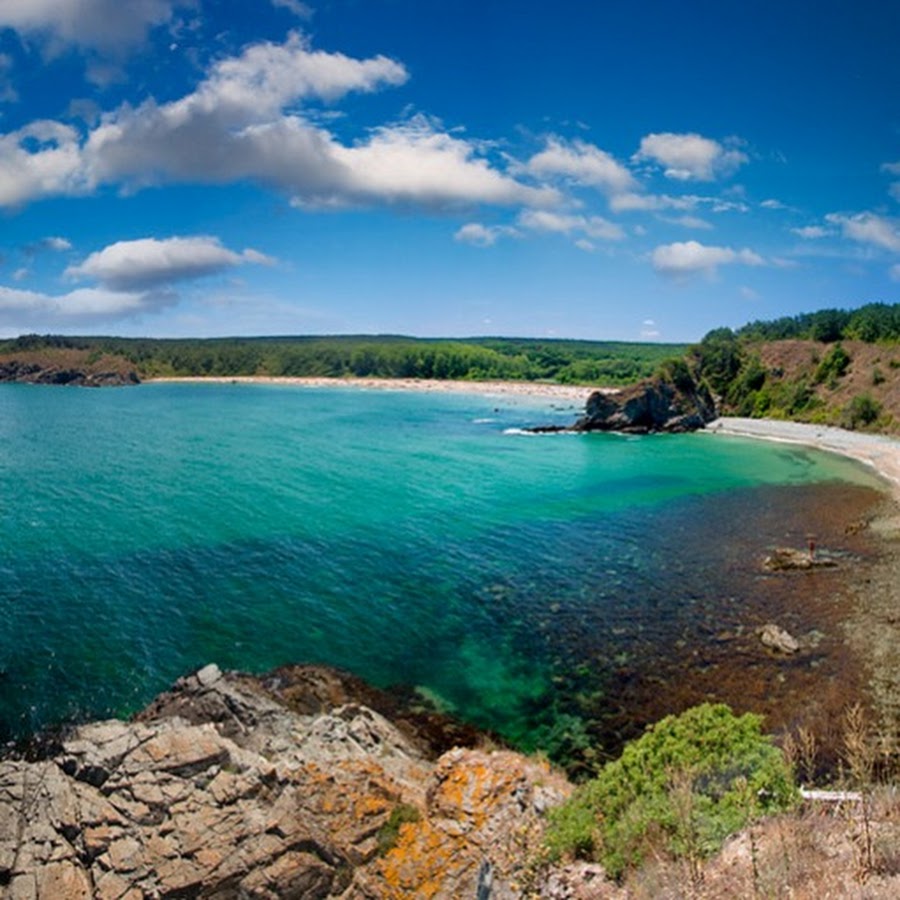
{"points": [[556, 590]]}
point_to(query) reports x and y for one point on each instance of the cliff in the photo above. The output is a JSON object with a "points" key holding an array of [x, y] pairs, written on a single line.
{"points": [[273, 787]]}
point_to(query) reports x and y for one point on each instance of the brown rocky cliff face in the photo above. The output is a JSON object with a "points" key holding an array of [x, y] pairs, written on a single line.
{"points": [[230, 786]]}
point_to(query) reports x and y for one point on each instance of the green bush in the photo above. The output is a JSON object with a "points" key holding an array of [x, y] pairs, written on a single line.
{"points": [[862, 410], [683, 787], [833, 365]]}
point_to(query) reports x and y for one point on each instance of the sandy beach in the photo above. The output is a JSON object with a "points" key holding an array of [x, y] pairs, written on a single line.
{"points": [[508, 388], [880, 452]]}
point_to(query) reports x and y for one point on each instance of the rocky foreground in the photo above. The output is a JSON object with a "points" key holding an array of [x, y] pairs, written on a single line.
{"points": [[278, 787]]}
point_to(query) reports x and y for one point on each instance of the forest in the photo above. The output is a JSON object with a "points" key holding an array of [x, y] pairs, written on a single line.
{"points": [[384, 356]]}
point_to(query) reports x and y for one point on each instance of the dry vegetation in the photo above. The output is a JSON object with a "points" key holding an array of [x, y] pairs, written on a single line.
{"points": [[874, 369]]}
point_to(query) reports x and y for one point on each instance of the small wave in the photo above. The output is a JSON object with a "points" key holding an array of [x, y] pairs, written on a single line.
{"points": [[483, 421]]}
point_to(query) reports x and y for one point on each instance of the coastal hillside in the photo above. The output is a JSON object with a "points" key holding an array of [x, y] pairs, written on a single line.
{"points": [[830, 368]]}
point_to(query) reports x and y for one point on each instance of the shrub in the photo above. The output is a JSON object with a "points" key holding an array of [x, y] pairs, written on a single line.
{"points": [[681, 789], [833, 365], [862, 410]]}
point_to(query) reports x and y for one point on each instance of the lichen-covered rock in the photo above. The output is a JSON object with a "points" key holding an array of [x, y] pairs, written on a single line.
{"points": [[222, 787]]}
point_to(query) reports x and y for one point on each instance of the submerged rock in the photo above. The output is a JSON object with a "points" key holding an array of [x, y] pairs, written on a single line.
{"points": [[785, 559], [776, 638], [284, 786]]}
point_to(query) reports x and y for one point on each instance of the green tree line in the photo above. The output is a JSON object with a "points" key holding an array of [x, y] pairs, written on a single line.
{"points": [[870, 323], [562, 361]]}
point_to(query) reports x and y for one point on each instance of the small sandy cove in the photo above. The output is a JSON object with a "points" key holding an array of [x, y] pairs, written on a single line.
{"points": [[875, 450]]}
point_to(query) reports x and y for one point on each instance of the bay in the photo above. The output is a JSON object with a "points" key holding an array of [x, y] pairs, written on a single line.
{"points": [[417, 540]]}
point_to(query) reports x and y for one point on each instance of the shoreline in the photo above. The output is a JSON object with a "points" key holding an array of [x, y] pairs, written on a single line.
{"points": [[876, 451], [536, 389]]}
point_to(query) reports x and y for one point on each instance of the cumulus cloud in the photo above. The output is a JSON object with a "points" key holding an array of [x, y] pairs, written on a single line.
{"points": [[104, 25], [141, 265], [868, 228], [415, 163], [235, 127], [561, 223], [30, 310], [583, 164], [687, 258], [53, 244], [689, 157], [484, 235], [40, 160]]}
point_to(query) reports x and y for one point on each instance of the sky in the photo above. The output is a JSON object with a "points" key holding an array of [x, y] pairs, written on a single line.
{"points": [[612, 169]]}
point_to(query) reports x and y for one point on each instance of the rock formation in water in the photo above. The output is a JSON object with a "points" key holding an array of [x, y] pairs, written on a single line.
{"points": [[274, 787], [672, 404]]}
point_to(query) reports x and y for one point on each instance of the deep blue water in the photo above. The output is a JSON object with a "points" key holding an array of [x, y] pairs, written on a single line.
{"points": [[410, 538]]}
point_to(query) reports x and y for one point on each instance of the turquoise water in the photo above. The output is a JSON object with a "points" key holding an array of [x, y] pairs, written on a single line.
{"points": [[414, 539]]}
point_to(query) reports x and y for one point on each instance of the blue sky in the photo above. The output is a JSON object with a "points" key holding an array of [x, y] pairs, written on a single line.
{"points": [[604, 170]]}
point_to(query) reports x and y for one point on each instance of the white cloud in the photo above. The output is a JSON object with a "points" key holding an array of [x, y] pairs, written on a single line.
{"points": [[684, 259], [234, 127], [632, 202], [582, 163], [773, 204], [29, 310], [586, 245], [106, 25], [39, 160], [649, 330], [484, 235], [689, 222], [811, 232], [747, 293], [560, 223], [129, 266], [54, 244], [894, 191], [689, 157], [297, 7], [868, 228], [893, 168], [415, 163], [895, 272]]}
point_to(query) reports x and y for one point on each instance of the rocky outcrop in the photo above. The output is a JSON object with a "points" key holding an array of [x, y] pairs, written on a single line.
{"points": [[285, 786], [35, 373], [652, 406]]}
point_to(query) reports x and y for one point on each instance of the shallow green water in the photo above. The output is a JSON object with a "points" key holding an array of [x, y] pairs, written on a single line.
{"points": [[410, 538]]}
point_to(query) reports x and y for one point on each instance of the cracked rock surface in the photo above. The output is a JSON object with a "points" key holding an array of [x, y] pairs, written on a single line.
{"points": [[286, 786]]}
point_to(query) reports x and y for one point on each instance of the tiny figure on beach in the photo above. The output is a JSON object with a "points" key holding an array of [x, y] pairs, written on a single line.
{"points": [[811, 542]]}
